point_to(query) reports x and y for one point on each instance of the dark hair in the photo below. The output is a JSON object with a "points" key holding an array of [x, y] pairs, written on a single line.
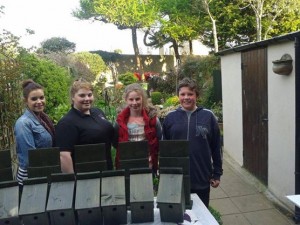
{"points": [[28, 86], [189, 83]]}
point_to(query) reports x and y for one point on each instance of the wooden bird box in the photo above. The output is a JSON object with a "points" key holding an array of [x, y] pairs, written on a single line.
{"points": [[5, 166], [43, 162], [90, 158], [170, 197], [113, 202], [141, 195], [9, 202], [60, 206], [33, 202], [87, 199]]}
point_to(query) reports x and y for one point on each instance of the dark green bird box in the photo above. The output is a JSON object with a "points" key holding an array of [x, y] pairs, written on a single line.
{"points": [[42, 162], [5, 166], [133, 154], [87, 198], [9, 203], [60, 206], [141, 195], [33, 202], [133, 150], [182, 162], [173, 148], [90, 158], [175, 153], [113, 202], [170, 197]]}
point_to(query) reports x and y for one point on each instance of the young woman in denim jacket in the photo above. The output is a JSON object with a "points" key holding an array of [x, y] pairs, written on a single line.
{"points": [[33, 129]]}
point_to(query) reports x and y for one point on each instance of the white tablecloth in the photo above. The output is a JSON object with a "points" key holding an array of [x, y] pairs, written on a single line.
{"points": [[198, 215], [295, 199]]}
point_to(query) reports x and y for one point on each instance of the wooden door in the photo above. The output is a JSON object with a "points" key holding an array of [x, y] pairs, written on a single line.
{"points": [[255, 112]]}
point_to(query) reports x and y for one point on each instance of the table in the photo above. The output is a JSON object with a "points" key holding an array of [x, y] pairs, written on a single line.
{"points": [[295, 199], [199, 215]]}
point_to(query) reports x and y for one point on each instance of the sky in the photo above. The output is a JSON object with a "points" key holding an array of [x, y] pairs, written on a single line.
{"points": [[52, 18]]}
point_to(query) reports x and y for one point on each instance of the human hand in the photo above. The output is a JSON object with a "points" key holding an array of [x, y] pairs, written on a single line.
{"points": [[214, 183]]}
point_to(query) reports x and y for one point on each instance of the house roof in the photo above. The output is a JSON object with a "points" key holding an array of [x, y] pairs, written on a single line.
{"points": [[264, 43]]}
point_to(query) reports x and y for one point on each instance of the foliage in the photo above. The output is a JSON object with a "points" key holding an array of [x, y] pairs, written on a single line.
{"points": [[237, 24], [10, 100], [172, 101], [175, 25], [268, 13], [216, 108], [199, 68], [127, 78], [167, 83], [75, 68], [59, 112], [57, 44], [155, 185], [215, 214], [53, 78], [92, 61], [164, 112], [108, 56], [156, 98], [10, 92], [125, 14]]}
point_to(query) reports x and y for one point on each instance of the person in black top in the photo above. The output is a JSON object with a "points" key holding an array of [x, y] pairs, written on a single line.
{"points": [[83, 124]]}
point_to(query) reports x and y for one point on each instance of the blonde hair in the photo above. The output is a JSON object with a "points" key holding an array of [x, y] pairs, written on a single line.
{"points": [[79, 84], [138, 89]]}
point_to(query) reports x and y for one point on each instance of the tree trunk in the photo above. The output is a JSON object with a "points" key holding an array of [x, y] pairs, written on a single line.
{"points": [[138, 64], [214, 26], [191, 47], [176, 51], [215, 34]]}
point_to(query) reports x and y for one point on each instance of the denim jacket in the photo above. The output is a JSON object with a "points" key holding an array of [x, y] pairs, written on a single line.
{"points": [[30, 134]]}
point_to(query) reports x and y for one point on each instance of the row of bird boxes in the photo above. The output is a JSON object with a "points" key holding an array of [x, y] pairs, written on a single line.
{"points": [[93, 198]]}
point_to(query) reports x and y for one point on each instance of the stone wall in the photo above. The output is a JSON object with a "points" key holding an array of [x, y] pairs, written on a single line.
{"points": [[151, 63]]}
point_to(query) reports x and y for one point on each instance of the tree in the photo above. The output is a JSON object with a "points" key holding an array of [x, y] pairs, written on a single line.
{"points": [[93, 62], [268, 11], [125, 14], [58, 44], [53, 78], [206, 6], [177, 23]]}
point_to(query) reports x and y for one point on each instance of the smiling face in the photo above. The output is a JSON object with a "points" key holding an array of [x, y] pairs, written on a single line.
{"points": [[134, 100], [187, 98], [36, 100], [83, 99]]}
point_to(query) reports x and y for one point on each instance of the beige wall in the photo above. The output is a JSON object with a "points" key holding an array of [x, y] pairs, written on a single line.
{"points": [[281, 123], [281, 110], [232, 106]]}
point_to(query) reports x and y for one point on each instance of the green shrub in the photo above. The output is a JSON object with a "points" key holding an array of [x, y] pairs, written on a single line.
{"points": [[215, 214], [217, 110], [172, 101], [156, 98], [128, 78], [59, 112]]}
